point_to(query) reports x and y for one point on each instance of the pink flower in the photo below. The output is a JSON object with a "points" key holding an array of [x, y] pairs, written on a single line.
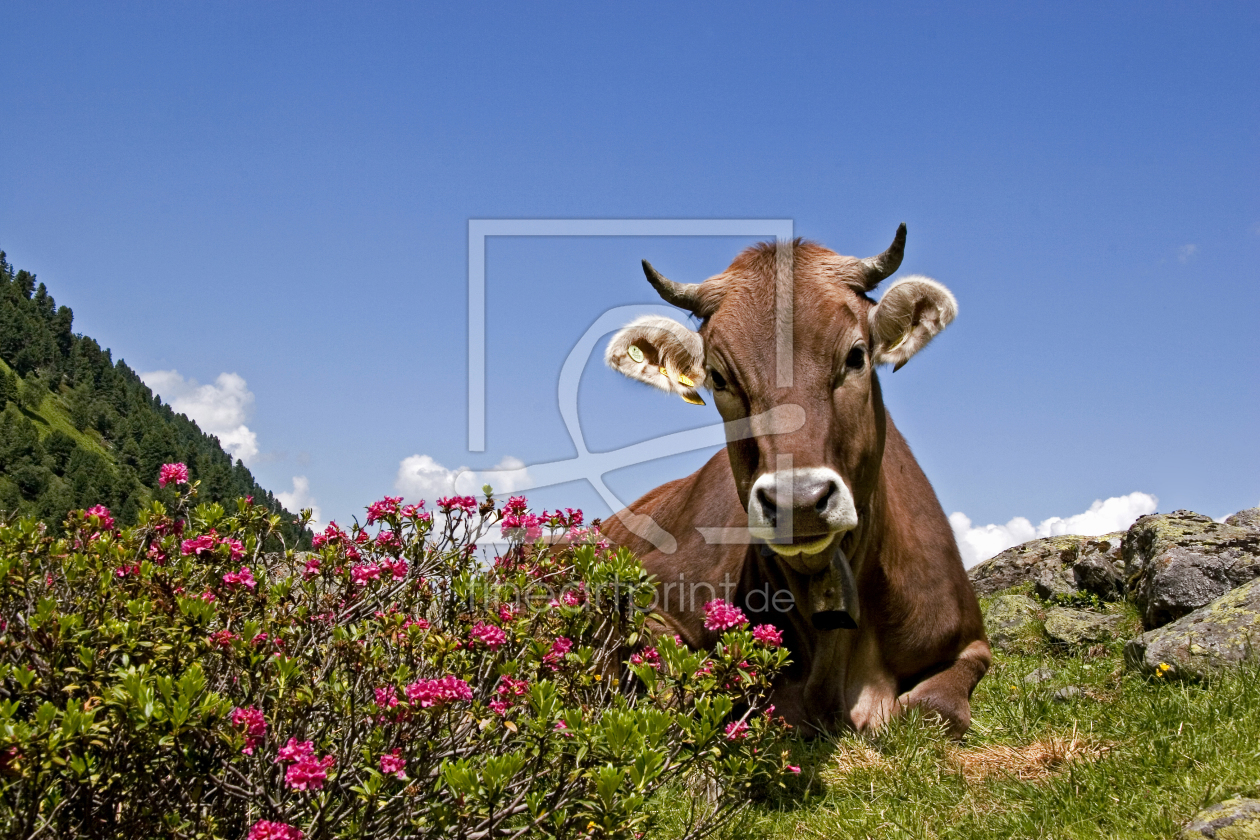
{"points": [[569, 599], [308, 772], [330, 535], [648, 656], [223, 638], [312, 566], [735, 730], [242, 578], [507, 612], [104, 521], [449, 504], [489, 635], [563, 727], [393, 764], [720, 616], [255, 726], [414, 511], [387, 541], [235, 548], [295, 750], [792, 768], [499, 707], [522, 525], [397, 567], [173, 474], [199, 547], [511, 687], [386, 698], [559, 649], [448, 689], [364, 572], [267, 830], [768, 635], [387, 506]]}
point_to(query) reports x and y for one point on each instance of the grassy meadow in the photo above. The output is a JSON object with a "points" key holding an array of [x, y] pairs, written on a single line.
{"points": [[1127, 757]]}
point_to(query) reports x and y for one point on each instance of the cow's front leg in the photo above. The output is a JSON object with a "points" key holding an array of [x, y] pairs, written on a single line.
{"points": [[948, 692]]}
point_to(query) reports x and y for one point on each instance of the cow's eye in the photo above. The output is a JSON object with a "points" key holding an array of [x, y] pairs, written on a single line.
{"points": [[717, 380], [856, 358]]}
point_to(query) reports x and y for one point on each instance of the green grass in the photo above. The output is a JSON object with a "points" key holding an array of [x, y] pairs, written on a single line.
{"points": [[53, 413], [1130, 757]]}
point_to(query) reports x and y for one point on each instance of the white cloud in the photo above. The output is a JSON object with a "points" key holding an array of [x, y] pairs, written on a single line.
{"points": [[1185, 252], [421, 477], [978, 543], [220, 409], [301, 498]]}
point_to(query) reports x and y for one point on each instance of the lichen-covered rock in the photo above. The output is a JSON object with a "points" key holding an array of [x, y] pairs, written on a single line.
{"points": [[1225, 633], [1056, 566], [1039, 675], [1180, 561], [1249, 519], [1079, 627], [1010, 618], [1068, 692], [1233, 819]]}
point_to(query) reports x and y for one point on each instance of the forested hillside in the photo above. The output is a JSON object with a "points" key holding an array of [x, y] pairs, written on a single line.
{"points": [[78, 429]]}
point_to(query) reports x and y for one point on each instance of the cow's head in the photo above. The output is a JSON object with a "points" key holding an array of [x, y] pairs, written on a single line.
{"points": [[816, 348]]}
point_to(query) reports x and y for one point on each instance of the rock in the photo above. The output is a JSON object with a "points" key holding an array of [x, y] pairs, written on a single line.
{"points": [[1233, 819], [1079, 627], [1008, 618], [1065, 694], [1039, 675], [1057, 567], [1095, 572], [1180, 561], [1203, 643], [1249, 519]]}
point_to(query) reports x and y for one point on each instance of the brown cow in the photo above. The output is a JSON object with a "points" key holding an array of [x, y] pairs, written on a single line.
{"points": [[845, 547]]}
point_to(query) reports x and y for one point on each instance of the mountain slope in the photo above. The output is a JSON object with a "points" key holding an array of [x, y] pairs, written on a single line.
{"points": [[78, 429]]}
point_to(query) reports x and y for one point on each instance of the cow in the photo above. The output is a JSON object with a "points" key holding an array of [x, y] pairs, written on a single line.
{"points": [[839, 539]]}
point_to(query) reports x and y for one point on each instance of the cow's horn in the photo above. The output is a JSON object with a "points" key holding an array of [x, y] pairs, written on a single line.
{"points": [[682, 295], [877, 268]]}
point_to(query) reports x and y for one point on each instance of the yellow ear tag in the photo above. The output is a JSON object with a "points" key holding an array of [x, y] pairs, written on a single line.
{"points": [[664, 373], [685, 380], [693, 399], [635, 353]]}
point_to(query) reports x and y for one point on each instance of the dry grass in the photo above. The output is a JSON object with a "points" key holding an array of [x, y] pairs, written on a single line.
{"points": [[1030, 763], [850, 755], [1034, 762]]}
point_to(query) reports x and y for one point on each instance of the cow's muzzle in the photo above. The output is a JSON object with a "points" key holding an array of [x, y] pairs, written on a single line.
{"points": [[833, 595]]}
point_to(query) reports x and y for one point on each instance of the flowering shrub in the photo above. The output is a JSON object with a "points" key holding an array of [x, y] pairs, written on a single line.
{"points": [[175, 679]]}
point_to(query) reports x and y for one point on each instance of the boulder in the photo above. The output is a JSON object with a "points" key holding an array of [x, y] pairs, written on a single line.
{"points": [[1068, 692], [1224, 633], [1177, 562], [1057, 567], [1080, 627], [1039, 675], [1008, 618], [1233, 819], [1249, 519]]}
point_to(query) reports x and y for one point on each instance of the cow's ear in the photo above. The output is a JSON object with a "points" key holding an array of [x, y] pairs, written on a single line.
{"points": [[911, 312], [661, 352]]}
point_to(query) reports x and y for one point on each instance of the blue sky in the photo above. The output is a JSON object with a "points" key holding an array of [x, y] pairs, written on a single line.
{"points": [[281, 192]]}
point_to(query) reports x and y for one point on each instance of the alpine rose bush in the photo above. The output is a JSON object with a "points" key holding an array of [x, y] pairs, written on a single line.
{"points": [[195, 677]]}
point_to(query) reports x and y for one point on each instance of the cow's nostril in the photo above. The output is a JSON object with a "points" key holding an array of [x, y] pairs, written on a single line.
{"points": [[825, 499], [768, 507]]}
